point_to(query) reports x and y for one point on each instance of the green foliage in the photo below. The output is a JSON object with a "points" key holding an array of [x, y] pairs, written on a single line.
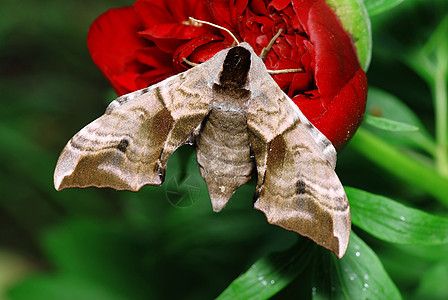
{"points": [[387, 106], [420, 173], [270, 274], [387, 124], [165, 242], [393, 222], [358, 275]]}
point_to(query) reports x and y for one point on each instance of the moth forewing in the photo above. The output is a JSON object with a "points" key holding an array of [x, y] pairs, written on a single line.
{"points": [[129, 146], [297, 186]]}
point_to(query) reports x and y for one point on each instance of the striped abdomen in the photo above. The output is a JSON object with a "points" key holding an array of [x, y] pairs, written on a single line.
{"points": [[224, 153]]}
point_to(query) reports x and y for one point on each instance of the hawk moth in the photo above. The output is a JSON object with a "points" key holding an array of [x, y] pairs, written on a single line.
{"points": [[238, 119]]}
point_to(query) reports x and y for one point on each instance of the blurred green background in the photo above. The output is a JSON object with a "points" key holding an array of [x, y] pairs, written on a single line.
{"points": [[165, 242]]}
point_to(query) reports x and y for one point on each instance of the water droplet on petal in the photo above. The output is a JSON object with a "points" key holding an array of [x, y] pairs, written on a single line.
{"points": [[264, 282], [272, 281], [402, 218], [357, 253]]}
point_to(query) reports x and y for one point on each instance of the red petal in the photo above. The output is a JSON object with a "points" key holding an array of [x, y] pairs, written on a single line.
{"points": [[156, 12], [152, 12], [335, 56], [153, 76], [168, 25], [175, 30], [198, 50], [279, 4], [125, 82], [227, 12], [166, 45], [259, 7], [339, 78], [339, 121], [207, 51], [112, 41], [153, 57]]}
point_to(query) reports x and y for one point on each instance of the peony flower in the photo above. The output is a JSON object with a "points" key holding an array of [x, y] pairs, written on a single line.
{"points": [[141, 45]]}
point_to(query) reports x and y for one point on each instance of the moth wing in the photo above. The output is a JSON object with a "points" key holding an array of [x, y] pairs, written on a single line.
{"points": [[298, 188], [129, 146]]}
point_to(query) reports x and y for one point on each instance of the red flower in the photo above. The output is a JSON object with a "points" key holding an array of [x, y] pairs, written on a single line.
{"points": [[141, 45]]}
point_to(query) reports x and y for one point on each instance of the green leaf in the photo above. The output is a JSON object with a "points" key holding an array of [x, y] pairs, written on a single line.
{"points": [[384, 105], [355, 20], [270, 274], [389, 125], [375, 7], [393, 222], [358, 275]]}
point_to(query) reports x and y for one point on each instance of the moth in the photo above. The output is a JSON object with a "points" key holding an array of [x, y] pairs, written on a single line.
{"points": [[238, 119]]}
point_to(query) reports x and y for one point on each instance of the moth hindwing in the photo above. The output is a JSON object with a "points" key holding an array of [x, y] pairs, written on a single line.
{"points": [[229, 107]]}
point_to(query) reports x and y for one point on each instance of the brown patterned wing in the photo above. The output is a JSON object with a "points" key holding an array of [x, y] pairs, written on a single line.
{"points": [[129, 146], [297, 186]]}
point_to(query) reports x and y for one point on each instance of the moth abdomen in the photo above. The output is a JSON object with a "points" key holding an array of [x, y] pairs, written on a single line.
{"points": [[224, 154]]}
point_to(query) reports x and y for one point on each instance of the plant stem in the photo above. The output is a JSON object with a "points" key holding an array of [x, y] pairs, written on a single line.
{"points": [[400, 164], [431, 63], [441, 111]]}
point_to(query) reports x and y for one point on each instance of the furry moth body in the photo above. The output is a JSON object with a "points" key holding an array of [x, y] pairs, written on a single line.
{"points": [[230, 108]]}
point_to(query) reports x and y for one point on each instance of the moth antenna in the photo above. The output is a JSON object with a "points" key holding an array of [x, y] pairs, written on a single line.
{"points": [[284, 71], [266, 49], [235, 40], [190, 63]]}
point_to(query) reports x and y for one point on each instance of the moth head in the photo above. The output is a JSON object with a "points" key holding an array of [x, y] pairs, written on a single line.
{"points": [[235, 68]]}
